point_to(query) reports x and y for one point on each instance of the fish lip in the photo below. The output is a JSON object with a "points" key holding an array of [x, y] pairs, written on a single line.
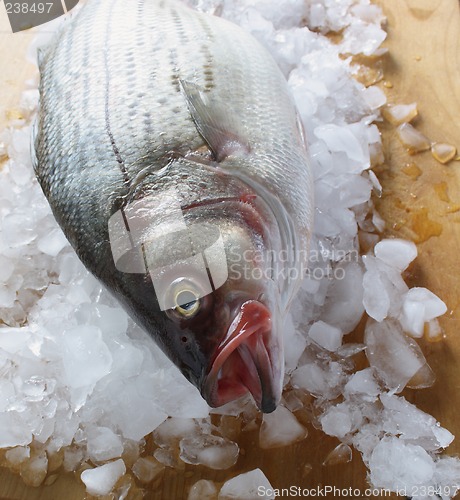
{"points": [[249, 353]]}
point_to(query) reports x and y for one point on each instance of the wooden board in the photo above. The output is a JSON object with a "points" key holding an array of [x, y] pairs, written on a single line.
{"points": [[423, 66]]}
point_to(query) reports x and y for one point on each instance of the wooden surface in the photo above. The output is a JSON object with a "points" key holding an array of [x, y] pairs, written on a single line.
{"points": [[423, 66]]}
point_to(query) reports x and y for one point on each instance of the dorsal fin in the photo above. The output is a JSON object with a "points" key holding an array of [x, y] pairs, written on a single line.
{"points": [[219, 127]]}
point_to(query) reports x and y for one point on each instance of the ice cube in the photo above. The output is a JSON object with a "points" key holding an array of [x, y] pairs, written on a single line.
{"points": [[363, 383], [367, 12], [251, 485], [293, 400], [443, 436], [85, 356], [52, 243], [344, 307], [366, 439], [446, 474], [172, 430], [178, 397], [310, 377], [34, 471], [340, 138], [348, 350], [317, 15], [412, 317], [44, 430], [13, 431], [6, 269], [135, 424], [73, 456], [412, 139], [420, 306], [168, 457], [375, 183], [397, 114], [374, 97], [36, 388], [17, 455], [378, 221], [212, 451], [376, 298], [434, 332], [280, 428], [411, 424], [126, 359], [112, 321], [396, 252], [101, 480], [294, 344], [29, 100], [230, 427], [395, 356], [146, 469], [103, 444], [69, 267], [443, 152], [397, 465], [326, 336], [361, 37], [13, 340], [7, 394], [387, 277], [322, 381], [19, 149], [8, 295], [340, 420], [18, 230], [243, 406], [203, 490]]}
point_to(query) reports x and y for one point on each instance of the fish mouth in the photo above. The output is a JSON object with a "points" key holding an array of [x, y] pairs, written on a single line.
{"points": [[248, 360]]}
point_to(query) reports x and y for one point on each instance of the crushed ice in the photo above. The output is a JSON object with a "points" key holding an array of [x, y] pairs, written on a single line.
{"points": [[78, 375]]}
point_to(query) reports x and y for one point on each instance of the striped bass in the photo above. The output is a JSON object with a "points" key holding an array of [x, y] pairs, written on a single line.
{"points": [[173, 157]]}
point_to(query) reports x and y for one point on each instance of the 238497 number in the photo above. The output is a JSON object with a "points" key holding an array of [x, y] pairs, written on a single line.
{"points": [[25, 8]]}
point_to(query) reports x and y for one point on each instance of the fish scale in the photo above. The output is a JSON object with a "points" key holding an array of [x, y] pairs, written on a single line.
{"points": [[146, 97], [105, 34]]}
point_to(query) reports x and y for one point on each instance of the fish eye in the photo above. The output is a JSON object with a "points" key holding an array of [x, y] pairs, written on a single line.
{"points": [[187, 303]]}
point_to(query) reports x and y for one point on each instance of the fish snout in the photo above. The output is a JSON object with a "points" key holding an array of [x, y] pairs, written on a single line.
{"points": [[249, 359]]}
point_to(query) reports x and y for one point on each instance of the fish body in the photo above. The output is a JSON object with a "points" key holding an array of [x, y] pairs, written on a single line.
{"points": [[172, 155]]}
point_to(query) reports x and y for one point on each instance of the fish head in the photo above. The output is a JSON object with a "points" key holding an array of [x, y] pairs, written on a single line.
{"points": [[221, 304], [217, 308]]}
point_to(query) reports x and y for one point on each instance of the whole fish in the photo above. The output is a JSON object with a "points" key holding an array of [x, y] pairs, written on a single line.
{"points": [[172, 155]]}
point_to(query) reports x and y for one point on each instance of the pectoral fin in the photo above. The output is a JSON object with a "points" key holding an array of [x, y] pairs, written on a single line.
{"points": [[220, 127]]}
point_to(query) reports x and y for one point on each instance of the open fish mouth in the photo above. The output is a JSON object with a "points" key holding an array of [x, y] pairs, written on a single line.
{"points": [[247, 361]]}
